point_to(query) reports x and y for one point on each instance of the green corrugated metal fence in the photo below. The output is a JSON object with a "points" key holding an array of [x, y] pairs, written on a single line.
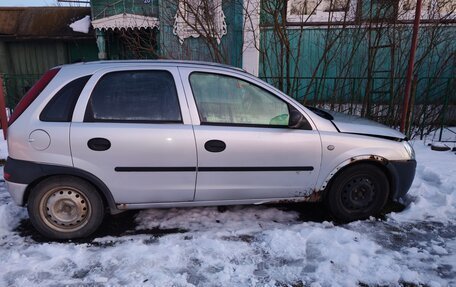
{"points": [[15, 87]]}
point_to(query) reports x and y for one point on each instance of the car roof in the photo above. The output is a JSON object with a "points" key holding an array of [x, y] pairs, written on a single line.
{"points": [[180, 63]]}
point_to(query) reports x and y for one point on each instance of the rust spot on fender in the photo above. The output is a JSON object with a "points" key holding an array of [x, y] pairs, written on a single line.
{"points": [[350, 161], [378, 158]]}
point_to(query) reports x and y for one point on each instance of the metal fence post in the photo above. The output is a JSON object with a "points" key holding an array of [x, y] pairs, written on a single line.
{"points": [[411, 63], [3, 116]]}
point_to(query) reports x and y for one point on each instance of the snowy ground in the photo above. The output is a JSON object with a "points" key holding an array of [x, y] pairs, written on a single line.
{"points": [[249, 246]]}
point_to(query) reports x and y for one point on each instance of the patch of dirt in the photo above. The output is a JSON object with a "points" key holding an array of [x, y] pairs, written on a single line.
{"points": [[308, 211]]}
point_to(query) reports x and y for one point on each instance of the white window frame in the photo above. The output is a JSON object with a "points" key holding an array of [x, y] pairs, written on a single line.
{"points": [[187, 21], [322, 12], [428, 10], [322, 15]]}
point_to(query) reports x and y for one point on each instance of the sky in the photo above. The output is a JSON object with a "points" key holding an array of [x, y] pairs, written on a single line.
{"points": [[14, 3]]}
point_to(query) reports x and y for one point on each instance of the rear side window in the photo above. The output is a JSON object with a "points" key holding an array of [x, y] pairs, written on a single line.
{"points": [[134, 96], [61, 106]]}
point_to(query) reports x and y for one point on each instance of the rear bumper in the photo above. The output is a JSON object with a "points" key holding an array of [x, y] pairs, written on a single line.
{"points": [[17, 191], [402, 173]]}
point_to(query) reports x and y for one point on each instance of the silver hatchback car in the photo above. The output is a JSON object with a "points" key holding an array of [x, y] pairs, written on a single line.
{"points": [[109, 136]]}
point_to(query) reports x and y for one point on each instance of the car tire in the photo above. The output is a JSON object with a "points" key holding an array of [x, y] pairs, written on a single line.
{"points": [[358, 192], [65, 207], [440, 148]]}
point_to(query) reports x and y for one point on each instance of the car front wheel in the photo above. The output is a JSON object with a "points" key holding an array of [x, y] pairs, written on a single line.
{"points": [[65, 208], [358, 192]]}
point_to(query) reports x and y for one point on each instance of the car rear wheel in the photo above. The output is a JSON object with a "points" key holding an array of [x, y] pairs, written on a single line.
{"points": [[358, 192], [65, 208]]}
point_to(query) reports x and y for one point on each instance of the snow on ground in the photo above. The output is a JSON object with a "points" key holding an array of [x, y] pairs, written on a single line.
{"points": [[250, 245], [3, 150]]}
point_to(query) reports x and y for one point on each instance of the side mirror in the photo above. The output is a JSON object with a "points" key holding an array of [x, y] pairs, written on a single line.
{"points": [[297, 120]]}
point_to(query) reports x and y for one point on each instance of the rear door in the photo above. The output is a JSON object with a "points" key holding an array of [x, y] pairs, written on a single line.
{"points": [[245, 148], [132, 130]]}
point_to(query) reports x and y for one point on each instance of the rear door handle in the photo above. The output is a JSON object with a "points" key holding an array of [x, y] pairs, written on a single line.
{"points": [[99, 144], [215, 146]]}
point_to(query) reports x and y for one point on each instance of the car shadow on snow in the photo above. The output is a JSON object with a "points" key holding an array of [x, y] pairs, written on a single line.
{"points": [[118, 225], [318, 212], [308, 211], [124, 224]]}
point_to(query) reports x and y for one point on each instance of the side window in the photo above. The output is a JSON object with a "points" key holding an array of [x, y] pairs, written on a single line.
{"points": [[60, 107], [134, 96], [227, 100]]}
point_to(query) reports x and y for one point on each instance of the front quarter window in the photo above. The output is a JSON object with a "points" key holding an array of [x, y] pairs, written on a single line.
{"points": [[227, 100]]}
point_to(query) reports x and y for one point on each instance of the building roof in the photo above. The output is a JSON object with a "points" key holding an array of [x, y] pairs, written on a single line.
{"points": [[42, 22]]}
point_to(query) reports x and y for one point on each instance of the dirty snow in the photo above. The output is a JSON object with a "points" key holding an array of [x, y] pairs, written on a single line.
{"points": [[3, 149], [250, 245], [81, 25]]}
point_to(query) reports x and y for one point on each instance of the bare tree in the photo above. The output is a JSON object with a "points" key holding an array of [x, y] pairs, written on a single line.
{"points": [[344, 55], [362, 53]]}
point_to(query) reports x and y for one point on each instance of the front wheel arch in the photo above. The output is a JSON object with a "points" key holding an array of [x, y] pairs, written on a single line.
{"points": [[380, 164], [383, 181]]}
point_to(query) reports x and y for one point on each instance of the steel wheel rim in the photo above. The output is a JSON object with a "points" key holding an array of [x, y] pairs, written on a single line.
{"points": [[358, 193], [65, 209]]}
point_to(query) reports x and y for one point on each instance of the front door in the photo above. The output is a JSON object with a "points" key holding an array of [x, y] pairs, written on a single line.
{"points": [[245, 148], [132, 134]]}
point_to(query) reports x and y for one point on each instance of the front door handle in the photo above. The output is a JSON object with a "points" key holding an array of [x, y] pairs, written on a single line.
{"points": [[215, 146], [99, 144]]}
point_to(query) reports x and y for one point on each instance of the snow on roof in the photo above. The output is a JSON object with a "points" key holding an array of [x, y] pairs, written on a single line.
{"points": [[81, 25], [41, 22]]}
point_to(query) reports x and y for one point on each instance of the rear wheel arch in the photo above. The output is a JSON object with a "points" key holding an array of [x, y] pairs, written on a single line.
{"points": [[65, 207], [100, 187]]}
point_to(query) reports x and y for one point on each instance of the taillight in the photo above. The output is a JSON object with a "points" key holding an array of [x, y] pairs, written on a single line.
{"points": [[32, 94]]}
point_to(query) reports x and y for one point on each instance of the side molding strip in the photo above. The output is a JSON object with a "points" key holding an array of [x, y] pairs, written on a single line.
{"points": [[213, 169], [154, 169], [257, 168]]}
